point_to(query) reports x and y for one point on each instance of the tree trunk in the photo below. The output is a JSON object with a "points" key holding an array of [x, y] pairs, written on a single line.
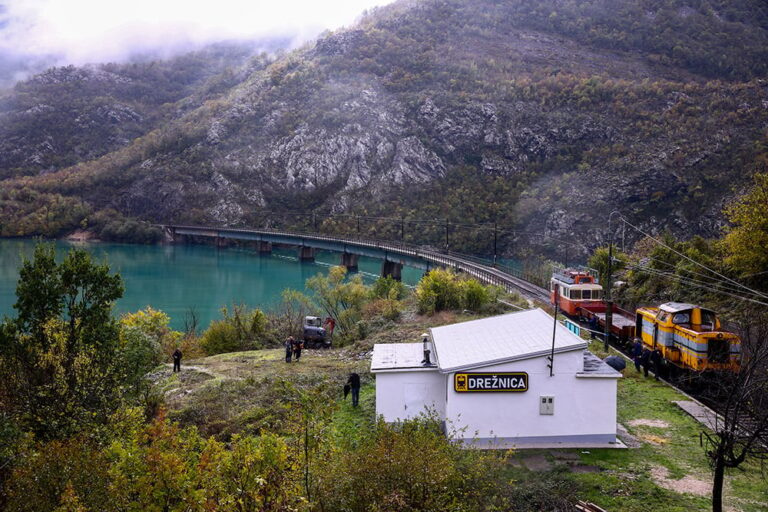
{"points": [[717, 486]]}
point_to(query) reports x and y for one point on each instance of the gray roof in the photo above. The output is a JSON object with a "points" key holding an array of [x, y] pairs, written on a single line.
{"points": [[500, 339], [596, 367], [674, 307], [397, 356]]}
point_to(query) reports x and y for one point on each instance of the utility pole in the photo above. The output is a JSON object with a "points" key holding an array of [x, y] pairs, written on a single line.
{"points": [[608, 285], [554, 335], [447, 240], [495, 255]]}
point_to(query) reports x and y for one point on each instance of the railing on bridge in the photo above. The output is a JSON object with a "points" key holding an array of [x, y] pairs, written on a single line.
{"points": [[485, 270]]}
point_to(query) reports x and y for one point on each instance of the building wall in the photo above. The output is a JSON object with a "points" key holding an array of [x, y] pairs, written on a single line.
{"points": [[584, 408], [404, 395]]}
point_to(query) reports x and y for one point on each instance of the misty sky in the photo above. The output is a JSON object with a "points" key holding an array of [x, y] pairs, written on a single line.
{"points": [[80, 31]]}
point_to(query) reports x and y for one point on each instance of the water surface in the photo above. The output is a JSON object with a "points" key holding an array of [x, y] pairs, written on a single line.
{"points": [[181, 278]]}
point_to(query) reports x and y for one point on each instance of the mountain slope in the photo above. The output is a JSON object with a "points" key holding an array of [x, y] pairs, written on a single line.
{"points": [[474, 111]]}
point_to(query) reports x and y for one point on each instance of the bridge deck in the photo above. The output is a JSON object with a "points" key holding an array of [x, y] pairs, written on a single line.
{"points": [[399, 252]]}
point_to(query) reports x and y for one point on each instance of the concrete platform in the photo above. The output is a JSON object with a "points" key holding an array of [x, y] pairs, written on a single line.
{"points": [[700, 413], [511, 443]]}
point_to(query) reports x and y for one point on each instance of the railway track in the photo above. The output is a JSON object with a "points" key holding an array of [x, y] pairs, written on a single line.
{"points": [[691, 387], [483, 270]]}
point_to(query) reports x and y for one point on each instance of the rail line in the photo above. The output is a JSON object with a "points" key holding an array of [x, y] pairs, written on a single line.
{"points": [[485, 271]]}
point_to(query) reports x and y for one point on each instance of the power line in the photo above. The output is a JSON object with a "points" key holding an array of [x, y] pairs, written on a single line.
{"points": [[694, 284], [717, 286], [755, 292], [712, 280]]}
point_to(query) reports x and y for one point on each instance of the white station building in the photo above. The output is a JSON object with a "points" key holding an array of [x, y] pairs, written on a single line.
{"points": [[491, 383]]}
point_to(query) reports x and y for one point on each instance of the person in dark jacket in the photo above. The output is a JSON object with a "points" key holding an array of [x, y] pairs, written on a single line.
{"points": [[176, 360], [637, 352], [592, 326], [288, 349], [297, 346], [354, 385], [656, 359], [645, 361]]}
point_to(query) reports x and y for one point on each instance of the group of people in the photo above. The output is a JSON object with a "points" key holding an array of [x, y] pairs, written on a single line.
{"points": [[293, 349], [647, 358]]}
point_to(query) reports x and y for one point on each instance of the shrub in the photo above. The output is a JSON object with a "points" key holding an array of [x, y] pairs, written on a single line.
{"points": [[239, 330], [388, 288], [437, 291], [408, 467], [442, 289], [474, 295]]}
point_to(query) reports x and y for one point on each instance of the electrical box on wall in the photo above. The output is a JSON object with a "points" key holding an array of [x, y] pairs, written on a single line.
{"points": [[546, 404]]}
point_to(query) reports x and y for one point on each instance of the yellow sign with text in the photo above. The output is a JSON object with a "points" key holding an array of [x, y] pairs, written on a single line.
{"points": [[505, 382]]}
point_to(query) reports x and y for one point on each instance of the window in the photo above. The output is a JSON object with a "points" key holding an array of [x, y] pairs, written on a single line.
{"points": [[597, 294], [663, 316], [682, 318], [576, 294], [708, 320]]}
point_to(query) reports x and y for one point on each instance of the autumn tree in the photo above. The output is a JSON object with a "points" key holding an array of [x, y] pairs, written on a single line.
{"points": [[740, 430], [747, 240], [340, 297], [60, 356]]}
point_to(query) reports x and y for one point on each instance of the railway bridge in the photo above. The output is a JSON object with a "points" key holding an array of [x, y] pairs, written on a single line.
{"points": [[394, 255]]}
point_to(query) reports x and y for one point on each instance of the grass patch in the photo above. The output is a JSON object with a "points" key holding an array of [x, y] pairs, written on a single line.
{"points": [[628, 480]]}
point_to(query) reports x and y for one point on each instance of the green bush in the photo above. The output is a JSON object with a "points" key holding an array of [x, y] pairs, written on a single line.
{"points": [[442, 289], [409, 467], [438, 290], [388, 288], [474, 295], [239, 330]]}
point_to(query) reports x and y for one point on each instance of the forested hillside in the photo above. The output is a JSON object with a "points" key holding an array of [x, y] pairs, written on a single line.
{"points": [[540, 116]]}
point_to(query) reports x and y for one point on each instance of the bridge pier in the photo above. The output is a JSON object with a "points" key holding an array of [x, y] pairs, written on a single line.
{"points": [[350, 261], [392, 269], [264, 248], [222, 242], [306, 253]]}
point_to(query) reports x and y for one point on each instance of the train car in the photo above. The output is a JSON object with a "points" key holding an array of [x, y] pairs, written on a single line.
{"points": [[689, 337], [576, 288]]}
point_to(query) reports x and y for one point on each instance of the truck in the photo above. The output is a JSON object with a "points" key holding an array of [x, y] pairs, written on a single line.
{"points": [[315, 336]]}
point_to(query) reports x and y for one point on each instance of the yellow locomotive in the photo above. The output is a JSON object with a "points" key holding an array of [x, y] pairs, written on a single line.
{"points": [[688, 336]]}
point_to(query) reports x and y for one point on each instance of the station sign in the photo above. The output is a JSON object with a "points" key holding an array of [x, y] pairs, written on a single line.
{"points": [[502, 382]]}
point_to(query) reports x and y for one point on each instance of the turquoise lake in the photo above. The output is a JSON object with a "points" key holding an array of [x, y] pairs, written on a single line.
{"points": [[179, 278]]}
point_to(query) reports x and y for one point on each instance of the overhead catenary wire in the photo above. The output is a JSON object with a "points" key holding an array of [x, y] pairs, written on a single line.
{"points": [[715, 286], [718, 283], [696, 284], [647, 235]]}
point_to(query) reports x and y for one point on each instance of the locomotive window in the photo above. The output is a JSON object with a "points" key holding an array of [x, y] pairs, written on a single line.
{"points": [[708, 319], [576, 294], [586, 294], [681, 318], [663, 316], [597, 294]]}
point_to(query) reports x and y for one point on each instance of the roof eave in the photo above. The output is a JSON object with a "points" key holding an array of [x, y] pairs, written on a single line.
{"points": [[522, 357]]}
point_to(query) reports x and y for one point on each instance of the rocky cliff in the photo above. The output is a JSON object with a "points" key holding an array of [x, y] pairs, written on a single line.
{"points": [[482, 111]]}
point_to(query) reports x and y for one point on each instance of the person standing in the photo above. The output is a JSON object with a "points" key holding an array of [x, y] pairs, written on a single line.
{"points": [[645, 360], [330, 324], [297, 346], [637, 351], [176, 360], [656, 359], [354, 385], [288, 349]]}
